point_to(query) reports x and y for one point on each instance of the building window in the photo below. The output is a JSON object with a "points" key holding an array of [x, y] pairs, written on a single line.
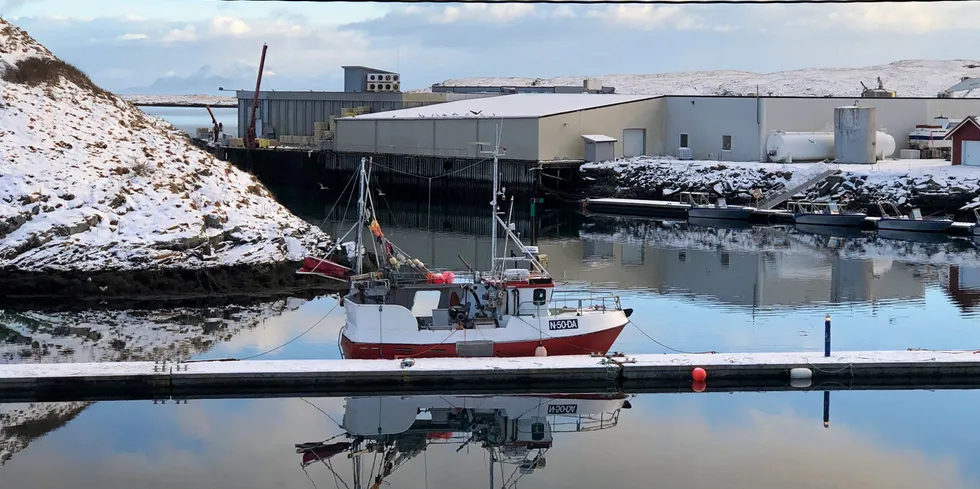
{"points": [[726, 143], [684, 141]]}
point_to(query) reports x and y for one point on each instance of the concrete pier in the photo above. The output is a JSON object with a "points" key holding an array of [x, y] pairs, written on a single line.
{"points": [[640, 373]]}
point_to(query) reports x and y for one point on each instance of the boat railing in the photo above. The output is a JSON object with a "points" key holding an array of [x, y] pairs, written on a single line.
{"points": [[571, 423], [885, 207], [698, 199], [580, 300], [810, 207]]}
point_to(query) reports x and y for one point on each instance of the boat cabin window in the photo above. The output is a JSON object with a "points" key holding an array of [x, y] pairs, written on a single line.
{"points": [[540, 297], [537, 431], [916, 214], [424, 302]]}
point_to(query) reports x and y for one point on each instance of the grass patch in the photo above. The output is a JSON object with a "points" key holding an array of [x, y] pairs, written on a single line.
{"points": [[49, 72]]}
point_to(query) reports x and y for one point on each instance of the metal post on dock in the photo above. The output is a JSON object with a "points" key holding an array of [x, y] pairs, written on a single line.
{"points": [[826, 409], [826, 335]]}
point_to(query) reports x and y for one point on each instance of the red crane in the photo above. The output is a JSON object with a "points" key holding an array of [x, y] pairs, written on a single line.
{"points": [[250, 139]]}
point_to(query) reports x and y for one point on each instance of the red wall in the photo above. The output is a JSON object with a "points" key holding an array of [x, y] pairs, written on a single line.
{"points": [[968, 132]]}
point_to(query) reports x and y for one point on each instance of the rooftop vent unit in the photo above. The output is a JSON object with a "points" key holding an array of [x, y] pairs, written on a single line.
{"points": [[383, 82]]}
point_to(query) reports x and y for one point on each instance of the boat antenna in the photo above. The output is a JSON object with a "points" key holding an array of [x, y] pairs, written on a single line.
{"points": [[496, 153], [358, 263]]}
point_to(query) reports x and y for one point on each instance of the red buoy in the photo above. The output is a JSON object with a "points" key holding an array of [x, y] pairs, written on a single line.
{"points": [[699, 386], [698, 374]]}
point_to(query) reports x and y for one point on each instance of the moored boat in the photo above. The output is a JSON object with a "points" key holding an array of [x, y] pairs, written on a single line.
{"points": [[893, 220], [407, 309], [824, 214], [702, 208]]}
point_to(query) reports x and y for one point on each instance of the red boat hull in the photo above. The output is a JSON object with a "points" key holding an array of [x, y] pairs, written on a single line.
{"points": [[598, 342]]}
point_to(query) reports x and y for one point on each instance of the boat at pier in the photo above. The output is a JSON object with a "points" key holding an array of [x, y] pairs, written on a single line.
{"points": [[824, 214], [516, 431], [407, 309], [702, 208], [893, 220]]}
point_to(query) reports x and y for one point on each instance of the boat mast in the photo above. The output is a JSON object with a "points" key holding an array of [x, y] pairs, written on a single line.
{"points": [[358, 265], [496, 191]]}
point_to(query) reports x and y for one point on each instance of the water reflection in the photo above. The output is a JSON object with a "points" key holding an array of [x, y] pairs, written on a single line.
{"points": [[765, 441], [515, 431]]}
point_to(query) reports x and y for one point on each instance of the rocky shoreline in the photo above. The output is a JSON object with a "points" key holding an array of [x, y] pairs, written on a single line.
{"points": [[934, 189], [227, 283]]}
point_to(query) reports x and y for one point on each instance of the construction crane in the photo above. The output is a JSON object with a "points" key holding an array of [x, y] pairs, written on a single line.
{"points": [[216, 127], [250, 140], [966, 84]]}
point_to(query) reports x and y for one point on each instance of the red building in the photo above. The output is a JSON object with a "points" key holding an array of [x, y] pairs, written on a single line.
{"points": [[966, 142]]}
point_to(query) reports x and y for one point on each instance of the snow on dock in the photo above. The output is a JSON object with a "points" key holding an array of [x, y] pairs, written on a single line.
{"points": [[897, 369]]}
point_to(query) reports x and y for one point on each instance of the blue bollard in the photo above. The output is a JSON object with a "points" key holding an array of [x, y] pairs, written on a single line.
{"points": [[826, 336]]}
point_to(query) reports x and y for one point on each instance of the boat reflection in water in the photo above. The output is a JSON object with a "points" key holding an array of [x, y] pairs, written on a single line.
{"points": [[516, 430]]}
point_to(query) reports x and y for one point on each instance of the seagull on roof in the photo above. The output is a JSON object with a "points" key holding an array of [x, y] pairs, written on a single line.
{"points": [[476, 112]]}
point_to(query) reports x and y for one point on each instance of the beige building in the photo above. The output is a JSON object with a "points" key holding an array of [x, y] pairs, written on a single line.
{"points": [[533, 127]]}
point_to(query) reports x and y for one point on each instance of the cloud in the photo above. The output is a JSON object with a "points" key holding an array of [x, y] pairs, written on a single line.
{"points": [[187, 33], [132, 37]]}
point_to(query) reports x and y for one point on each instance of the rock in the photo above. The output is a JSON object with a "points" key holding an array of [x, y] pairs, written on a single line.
{"points": [[214, 222]]}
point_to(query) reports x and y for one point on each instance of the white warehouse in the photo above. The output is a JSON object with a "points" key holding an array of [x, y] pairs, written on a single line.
{"points": [[543, 128], [534, 127]]}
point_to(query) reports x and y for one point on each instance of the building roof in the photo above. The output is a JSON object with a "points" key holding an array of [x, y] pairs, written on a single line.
{"points": [[517, 106], [367, 68], [598, 138], [964, 122]]}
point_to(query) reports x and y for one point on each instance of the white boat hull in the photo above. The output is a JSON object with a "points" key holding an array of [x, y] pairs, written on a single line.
{"points": [[393, 331], [735, 213], [915, 225], [838, 220]]}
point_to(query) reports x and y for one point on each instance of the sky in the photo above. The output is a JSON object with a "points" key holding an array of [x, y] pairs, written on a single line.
{"points": [[197, 46]]}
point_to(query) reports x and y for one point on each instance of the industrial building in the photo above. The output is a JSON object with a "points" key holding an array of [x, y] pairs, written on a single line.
{"points": [[564, 127], [738, 128], [305, 117], [534, 127]]}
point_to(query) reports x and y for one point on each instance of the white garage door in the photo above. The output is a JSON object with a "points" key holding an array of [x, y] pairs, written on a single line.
{"points": [[971, 153], [634, 142]]}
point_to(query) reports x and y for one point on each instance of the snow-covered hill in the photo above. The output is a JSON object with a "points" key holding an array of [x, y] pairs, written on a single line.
{"points": [[109, 335], [910, 78], [88, 181]]}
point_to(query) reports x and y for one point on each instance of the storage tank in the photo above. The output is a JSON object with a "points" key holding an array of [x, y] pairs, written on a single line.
{"points": [[785, 147], [885, 145], [855, 137]]}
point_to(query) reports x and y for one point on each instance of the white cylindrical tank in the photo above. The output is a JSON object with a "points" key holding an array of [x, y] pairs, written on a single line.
{"points": [[885, 146], [783, 146], [855, 134]]}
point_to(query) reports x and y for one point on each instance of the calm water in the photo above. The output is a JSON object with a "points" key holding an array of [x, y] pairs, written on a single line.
{"points": [[188, 119], [693, 289]]}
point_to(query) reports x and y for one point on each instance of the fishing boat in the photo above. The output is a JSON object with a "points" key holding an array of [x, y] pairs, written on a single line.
{"points": [[408, 309], [824, 214], [893, 220], [516, 431], [701, 207]]}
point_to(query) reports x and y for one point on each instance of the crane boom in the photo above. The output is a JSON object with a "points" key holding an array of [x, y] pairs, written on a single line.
{"points": [[250, 139], [966, 84]]}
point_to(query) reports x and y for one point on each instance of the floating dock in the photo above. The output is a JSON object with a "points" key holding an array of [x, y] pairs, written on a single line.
{"points": [[568, 374], [670, 209]]}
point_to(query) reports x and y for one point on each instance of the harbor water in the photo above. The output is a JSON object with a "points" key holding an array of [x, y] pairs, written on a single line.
{"points": [[692, 289]]}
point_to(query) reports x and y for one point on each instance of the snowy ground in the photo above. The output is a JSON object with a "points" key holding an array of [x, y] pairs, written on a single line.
{"points": [[107, 335], [910, 78], [181, 100], [88, 181], [782, 239], [892, 180]]}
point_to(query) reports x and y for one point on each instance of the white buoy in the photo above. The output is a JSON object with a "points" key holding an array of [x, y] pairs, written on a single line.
{"points": [[540, 351], [800, 373], [800, 383]]}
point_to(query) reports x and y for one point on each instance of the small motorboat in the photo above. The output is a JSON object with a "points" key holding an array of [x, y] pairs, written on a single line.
{"points": [[824, 214], [702, 208], [893, 220]]}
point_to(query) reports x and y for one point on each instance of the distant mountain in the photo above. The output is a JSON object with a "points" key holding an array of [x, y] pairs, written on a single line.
{"points": [[240, 76]]}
